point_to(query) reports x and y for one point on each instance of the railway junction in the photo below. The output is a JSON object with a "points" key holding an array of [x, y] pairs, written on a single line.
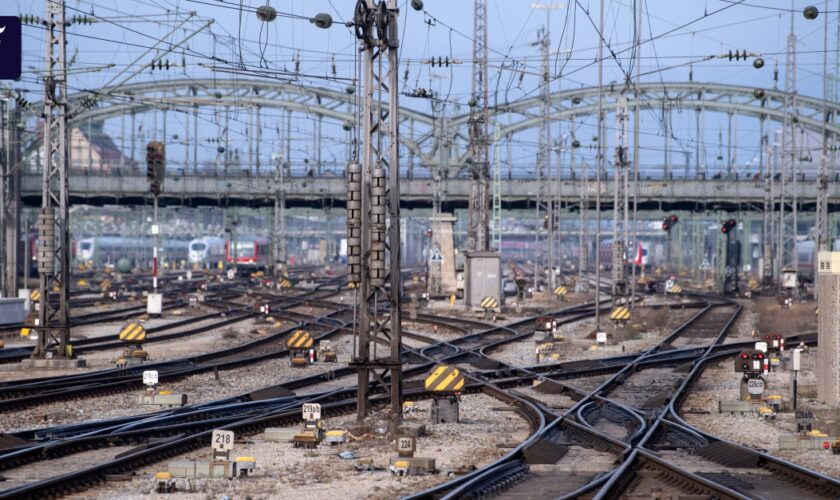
{"points": [[417, 249]]}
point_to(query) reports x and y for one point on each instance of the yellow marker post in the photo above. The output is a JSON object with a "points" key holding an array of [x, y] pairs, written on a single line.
{"points": [[489, 302], [445, 379], [300, 339], [452, 300], [620, 313], [133, 333]]}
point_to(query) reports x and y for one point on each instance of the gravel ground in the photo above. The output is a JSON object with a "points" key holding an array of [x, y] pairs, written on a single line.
{"points": [[653, 325], [286, 472], [214, 340], [38, 471], [112, 328], [199, 388], [557, 402], [218, 339], [311, 310], [720, 382]]}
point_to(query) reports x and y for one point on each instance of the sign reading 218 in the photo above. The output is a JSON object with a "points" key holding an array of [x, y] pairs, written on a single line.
{"points": [[10, 48]]}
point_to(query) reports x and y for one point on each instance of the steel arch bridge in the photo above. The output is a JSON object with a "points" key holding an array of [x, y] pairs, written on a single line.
{"points": [[434, 145], [421, 131]]}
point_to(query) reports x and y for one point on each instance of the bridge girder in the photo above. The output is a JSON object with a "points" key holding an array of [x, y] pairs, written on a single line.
{"points": [[184, 95]]}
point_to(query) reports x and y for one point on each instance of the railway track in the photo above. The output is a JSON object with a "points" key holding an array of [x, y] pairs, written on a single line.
{"points": [[27, 393], [532, 464], [634, 421], [333, 402]]}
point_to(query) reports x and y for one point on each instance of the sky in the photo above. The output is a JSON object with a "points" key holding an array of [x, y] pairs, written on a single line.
{"points": [[674, 34]]}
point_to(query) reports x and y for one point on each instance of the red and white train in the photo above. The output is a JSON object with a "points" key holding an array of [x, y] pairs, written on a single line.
{"points": [[250, 252], [634, 255]]}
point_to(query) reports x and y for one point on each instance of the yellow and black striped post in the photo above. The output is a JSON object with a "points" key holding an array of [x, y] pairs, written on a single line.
{"points": [[35, 296], [133, 333], [445, 378], [300, 339], [560, 292], [620, 314], [489, 302]]}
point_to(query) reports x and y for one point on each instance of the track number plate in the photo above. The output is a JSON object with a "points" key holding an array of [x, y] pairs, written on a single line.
{"points": [[755, 386], [311, 411], [150, 377], [222, 440], [405, 444]]}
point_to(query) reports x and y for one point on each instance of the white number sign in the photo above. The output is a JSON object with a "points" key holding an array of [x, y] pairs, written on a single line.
{"points": [[222, 440], [755, 386], [311, 411], [405, 444], [231, 274], [601, 337], [797, 359], [150, 377]]}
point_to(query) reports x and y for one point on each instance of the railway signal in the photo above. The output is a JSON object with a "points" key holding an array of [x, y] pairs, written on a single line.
{"points": [[155, 166], [731, 258], [669, 222], [728, 226]]}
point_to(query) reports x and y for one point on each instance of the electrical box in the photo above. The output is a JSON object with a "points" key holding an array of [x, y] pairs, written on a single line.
{"points": [[789, 278], [154, 304], [483, 276], [12, 311]]}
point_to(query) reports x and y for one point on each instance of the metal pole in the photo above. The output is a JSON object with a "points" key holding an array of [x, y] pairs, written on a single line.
{"points": [[479, 200], [619, 243], [599, 167], [822, 177], [636, 146], [380, 193], [155, 243], [53, 219], [5, 170], [10, 207]]}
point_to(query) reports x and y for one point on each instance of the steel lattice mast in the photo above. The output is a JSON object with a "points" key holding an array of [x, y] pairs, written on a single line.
{"points": [[479, 201], [545, 199], [53, 219], [379, 193], [786, 249], [619, 271]]}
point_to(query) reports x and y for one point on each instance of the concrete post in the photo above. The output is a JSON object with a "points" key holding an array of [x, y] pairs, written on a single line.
{"points": [[828, 328]]}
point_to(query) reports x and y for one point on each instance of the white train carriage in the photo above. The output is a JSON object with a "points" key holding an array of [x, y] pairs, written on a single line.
{"points": [[207, 249], [109, 250]]}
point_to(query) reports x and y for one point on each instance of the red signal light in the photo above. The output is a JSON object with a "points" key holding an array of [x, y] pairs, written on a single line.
{"points": [[744, 355], [728, 226]]}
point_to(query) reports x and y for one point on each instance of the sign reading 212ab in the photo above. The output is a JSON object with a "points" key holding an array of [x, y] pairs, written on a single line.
{"points": [[10, 48]]}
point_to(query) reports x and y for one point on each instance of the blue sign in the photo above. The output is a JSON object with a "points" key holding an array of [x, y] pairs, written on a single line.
{"points": [[11, 51]]}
